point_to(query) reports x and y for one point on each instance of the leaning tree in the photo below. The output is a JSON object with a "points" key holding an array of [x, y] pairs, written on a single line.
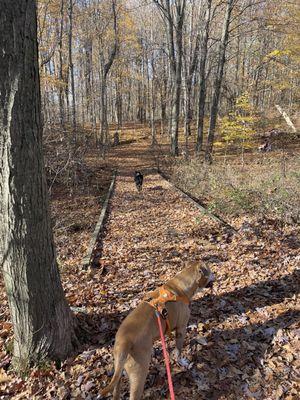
{"points": [[42, 321]]}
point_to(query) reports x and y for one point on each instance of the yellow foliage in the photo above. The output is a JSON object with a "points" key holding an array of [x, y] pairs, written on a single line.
{"points": [[239, 124], [278, 53], [219, 144]]}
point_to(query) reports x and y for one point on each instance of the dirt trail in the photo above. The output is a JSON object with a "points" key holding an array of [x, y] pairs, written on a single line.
{"points": [[154, 231]]}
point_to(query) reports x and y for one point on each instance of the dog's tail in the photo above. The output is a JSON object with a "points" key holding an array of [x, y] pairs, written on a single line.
{"points": [[121, 354]]}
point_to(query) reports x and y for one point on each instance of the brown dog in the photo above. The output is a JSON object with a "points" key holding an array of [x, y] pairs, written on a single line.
{"points": [[139, 330]]}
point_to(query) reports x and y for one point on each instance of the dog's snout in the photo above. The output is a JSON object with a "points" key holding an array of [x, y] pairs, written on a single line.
{"points": [[210, 284]]}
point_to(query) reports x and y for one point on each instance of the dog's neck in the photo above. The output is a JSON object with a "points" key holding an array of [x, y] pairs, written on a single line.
{"points": [[185, 283]]}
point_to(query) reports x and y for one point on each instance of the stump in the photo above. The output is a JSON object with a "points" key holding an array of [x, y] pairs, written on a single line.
{"points": [[116, 138]]}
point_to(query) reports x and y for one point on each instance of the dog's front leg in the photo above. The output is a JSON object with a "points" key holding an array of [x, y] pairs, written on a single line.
{"points": [[180, 335], [181, 329]]}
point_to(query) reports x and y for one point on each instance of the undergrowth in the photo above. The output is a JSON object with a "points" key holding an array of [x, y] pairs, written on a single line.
{"points": [[266, 187]]}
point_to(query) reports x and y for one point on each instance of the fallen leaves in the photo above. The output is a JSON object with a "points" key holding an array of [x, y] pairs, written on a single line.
{"points": [[3, 376]]}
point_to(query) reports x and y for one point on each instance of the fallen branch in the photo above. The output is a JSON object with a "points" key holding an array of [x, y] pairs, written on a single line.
{"points": [[100, 224], [287, 118], [196, 202]]}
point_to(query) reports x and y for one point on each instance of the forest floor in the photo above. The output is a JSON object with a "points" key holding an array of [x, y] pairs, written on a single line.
{"points": [[242, 340]]}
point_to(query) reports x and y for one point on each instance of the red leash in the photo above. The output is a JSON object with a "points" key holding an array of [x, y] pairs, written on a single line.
{"points": [[166, 356]]}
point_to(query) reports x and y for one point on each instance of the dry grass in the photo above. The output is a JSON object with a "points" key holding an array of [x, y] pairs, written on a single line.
{"points": [[264, 187]]}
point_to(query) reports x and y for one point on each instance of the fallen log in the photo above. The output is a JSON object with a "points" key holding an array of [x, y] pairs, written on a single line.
{"points": [[198, 204], [286, 117], [100, 224]]}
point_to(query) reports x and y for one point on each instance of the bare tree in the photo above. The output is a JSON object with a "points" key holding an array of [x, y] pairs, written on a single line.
{"points": [[174, 15], [191, 62], [105, 68], [61, 77], [218, 80], [71, 67], [202, 76]]}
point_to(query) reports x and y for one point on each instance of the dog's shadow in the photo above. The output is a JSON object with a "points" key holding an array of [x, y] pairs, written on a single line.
{"points": [[252, 297]]}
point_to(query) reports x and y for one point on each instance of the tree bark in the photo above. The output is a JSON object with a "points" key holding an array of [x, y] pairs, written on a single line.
{"points": [[104, 123], [218, 81], [88, 49], [202, 79], [191, 61], [71, 68], [174, 16], [104, 73], [163, 104], [61, 78], [152, 103], [42, 321], [177, 76], [119, 105]]}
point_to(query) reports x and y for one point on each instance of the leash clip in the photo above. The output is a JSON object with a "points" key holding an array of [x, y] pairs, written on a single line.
{"points": [[164, 313]]}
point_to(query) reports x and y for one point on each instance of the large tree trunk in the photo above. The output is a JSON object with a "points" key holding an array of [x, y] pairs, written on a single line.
{"points": [[42, 321]]}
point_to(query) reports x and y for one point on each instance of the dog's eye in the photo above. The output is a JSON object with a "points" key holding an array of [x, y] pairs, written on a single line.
{"points": [[204, 271]]}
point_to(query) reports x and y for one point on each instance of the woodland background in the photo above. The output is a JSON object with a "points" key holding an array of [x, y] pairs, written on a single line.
{"points": [[116, 61]]}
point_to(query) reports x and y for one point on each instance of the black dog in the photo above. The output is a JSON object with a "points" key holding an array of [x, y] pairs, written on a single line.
{"points": [[138, 179]]}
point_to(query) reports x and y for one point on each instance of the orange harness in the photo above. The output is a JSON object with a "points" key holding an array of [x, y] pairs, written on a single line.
{"points": [[159, 303]]}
